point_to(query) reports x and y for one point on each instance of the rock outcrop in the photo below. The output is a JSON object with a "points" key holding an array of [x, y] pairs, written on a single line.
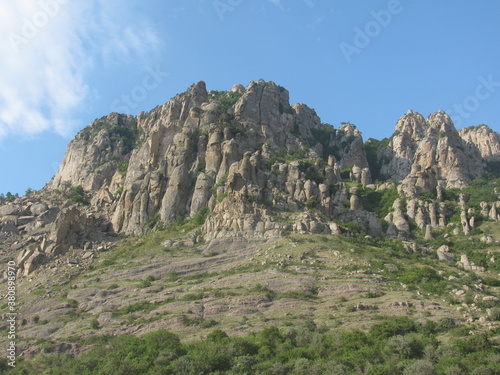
{"points": [[427, 154], [205, 146], [485, 139]]}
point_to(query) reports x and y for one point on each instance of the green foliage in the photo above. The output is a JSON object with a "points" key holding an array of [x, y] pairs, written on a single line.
{"points": [[135, 307], [200, 217], [451, 194], [397, 345], [493, 167], [311, 173], [447, 323], [94, 324], [28, 191], [380, 201], [201, 166], [491, 281], [311, 204], [400, 325], [258, 288], [217, 336], [153, 221], [482, 189], [221, 197], [194, 296], [122, 168], [144, 283], [118, 192], [77, 195], [226, 100], [286, 156], [323, 136], [25, 212], [128, 134], [425, 278], [11, 197], [495, 314], [222, 181], [353, 227], [427, 196], [345, 174]]}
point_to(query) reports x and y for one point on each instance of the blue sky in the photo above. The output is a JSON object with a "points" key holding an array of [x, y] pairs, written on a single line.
{"points": [[66, 62]]}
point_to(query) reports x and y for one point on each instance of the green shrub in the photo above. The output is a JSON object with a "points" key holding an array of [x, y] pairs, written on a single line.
{"points": [[392, 327], [122, 168], [118, 191], [397, 345], [136, 306], [153, 221], [311, 204], [491, 281], [208, 323], [345, 174], [94, 324], [200, 217], [144, 284], [286, 156], [425, 278], [193, 296], [77, 195], [226, 100], [495, 314], [446, 323], [11, 197]]}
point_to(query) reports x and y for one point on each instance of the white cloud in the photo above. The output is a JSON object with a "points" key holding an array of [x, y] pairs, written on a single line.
{"points": [[49, 48]]}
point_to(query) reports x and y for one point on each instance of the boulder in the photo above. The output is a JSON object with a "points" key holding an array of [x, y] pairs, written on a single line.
{"points": [[444, 253]]}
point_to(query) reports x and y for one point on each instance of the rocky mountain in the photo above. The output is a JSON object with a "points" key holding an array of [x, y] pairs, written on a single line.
{"points": [[249, 164], [202, 146], [235, 208]]}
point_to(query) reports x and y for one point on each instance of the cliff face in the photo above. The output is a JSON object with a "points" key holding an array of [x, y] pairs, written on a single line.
{"points": [[247, 155], [486, 140], [202, 146], [93, 155]]}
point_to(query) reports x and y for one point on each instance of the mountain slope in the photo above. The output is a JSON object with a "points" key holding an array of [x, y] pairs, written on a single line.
{"points": [[234, 209]]}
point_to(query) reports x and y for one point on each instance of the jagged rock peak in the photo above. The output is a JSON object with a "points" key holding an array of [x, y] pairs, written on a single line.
{"points": [[398, 156], [424, 152], [199, 93], [485, 139], [238, 88]]}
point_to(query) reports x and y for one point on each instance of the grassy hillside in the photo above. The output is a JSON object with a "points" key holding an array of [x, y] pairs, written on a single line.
{"points": [[290, 303]]}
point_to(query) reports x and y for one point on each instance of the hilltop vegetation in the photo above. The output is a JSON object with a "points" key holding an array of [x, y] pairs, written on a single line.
{"points": [[395, 345]]}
